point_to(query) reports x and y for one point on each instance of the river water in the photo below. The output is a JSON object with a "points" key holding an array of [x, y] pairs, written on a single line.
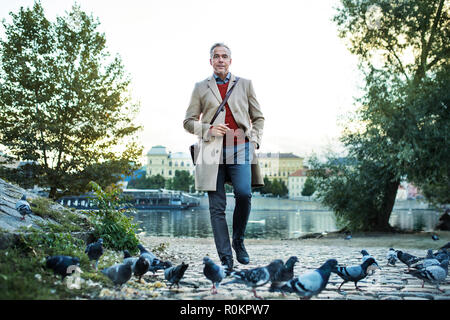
{"points": [[269, 224]]}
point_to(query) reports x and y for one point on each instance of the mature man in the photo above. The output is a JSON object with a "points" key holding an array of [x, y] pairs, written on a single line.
{"points": [[227, 149]]}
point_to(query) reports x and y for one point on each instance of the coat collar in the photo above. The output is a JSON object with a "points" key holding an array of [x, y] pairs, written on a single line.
{"points": [[215, 90]]}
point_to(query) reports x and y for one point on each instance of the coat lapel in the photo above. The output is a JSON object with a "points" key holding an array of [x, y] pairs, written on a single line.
{"points": [[213, 87]]}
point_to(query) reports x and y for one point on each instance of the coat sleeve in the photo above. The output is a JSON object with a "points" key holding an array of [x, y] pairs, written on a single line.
{"points": [[191, 122], [256, 116]]}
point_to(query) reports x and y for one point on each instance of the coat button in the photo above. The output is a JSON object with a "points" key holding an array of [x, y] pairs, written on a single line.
{"points": [[217, 151]]}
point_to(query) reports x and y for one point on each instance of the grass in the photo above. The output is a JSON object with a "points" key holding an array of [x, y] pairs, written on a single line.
{"points": [[67, 219]]}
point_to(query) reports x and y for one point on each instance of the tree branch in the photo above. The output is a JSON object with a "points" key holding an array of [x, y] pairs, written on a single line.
{"points": [[426, 49]]}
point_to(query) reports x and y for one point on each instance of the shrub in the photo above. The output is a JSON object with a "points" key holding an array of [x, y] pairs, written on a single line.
{"points": [[110, 222]]}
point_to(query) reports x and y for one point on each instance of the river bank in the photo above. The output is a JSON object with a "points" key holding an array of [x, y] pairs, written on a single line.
{"points": [[261, 203], [54, 230]]}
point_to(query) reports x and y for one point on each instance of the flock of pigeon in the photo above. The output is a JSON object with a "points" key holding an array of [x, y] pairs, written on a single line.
{"points": [[432, 269]]}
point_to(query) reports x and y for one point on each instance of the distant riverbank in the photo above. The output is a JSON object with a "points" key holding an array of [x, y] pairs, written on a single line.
{"points": [[260, 203]]}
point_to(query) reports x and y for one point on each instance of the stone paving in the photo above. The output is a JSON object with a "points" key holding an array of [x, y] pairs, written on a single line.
{"points": [[389, 283]]}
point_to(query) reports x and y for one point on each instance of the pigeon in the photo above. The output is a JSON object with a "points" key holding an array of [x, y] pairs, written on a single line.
{"points": [[146, 254], [286, 273], [139, 266], [353, 273], [311, 283], [94, 251], [441, 255], [23, 207], [159, 265], [60, 264], [433, 274], [430, 260], [256, 277], [174, 274], [213, 272], [446, 246], [367, 256], [407, 258], [119, 273], [391, 257], [435, 237]]}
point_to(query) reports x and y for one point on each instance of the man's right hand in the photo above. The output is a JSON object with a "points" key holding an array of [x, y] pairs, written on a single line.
{"points": [[219, 130]]}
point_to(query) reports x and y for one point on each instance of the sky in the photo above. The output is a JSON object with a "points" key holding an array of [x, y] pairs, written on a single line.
{"points": [[304, 77]]}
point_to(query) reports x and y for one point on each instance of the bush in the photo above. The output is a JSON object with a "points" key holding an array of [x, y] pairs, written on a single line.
{"points": [[110, 223]]}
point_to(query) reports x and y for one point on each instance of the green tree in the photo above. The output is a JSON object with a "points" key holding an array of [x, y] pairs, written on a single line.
{"points": [[267, 188], [182, 181], [309, 187], [403, 115], [279, 188], [65, 105], [152, 182]]}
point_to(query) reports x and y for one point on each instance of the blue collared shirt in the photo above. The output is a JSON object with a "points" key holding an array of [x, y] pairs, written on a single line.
{"points": [[220, 81]]}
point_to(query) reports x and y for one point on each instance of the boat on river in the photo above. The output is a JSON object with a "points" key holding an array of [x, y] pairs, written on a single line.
{"points": [[140, 199]]}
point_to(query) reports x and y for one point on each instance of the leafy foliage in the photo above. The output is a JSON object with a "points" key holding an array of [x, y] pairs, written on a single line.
{"points": [[143, 182], [309, 187], [110, 222], [182, 181], [403, 116], [276, 187], [65, 102]]}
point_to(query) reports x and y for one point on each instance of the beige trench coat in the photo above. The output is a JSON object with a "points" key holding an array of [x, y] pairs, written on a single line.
{"points": [[246, 111]]}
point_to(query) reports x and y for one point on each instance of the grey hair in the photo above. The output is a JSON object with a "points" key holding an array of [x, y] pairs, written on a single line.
{"points": [[219, 44]]}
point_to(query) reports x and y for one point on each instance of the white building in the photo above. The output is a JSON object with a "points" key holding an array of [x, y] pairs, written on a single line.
{"points": [[296, 182], [159, 161]]}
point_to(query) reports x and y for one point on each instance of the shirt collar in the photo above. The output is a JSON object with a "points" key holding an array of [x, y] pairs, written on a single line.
{"points": [[220, 81]]}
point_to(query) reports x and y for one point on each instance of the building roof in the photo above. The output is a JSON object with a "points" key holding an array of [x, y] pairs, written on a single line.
{"points": [[279, 155], [157, 150], [299, 173], [180, 155]]}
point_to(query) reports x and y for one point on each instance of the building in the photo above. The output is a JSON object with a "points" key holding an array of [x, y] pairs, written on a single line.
{"points": [[279, 165], [296, 182], [159, 161]]}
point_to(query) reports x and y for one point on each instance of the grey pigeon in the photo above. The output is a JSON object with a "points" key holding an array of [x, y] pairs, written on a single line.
{"points": [[286, 273], [391, 257], [407, 258], [441, 255], [146, 254], [174, 274], [433, 274], [119, 273], [60, 264], [213, 273], [256, 277], [139, 266], [23, 207], [353, 273], [365, 257], [159, 265], [429, 260], [311, 283], [94, 251]]}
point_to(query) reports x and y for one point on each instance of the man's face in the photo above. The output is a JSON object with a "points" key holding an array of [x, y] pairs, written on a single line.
{"points": [[220, 61]]}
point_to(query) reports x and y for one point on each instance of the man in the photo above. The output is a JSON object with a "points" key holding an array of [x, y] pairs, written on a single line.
{"points": [[227, 149]]}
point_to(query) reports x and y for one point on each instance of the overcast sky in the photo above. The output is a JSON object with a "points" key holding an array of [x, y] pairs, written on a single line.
{"points": [[303, 75]]}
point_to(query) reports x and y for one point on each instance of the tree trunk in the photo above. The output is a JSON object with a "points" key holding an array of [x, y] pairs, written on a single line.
{"points": [[388, 205], [52, 193]]}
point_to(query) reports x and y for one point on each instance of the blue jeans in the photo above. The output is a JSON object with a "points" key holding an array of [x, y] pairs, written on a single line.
{"points": [[239, 172]]}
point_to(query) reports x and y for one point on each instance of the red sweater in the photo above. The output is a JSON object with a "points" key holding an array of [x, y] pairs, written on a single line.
{"points": [[238, 138]]}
